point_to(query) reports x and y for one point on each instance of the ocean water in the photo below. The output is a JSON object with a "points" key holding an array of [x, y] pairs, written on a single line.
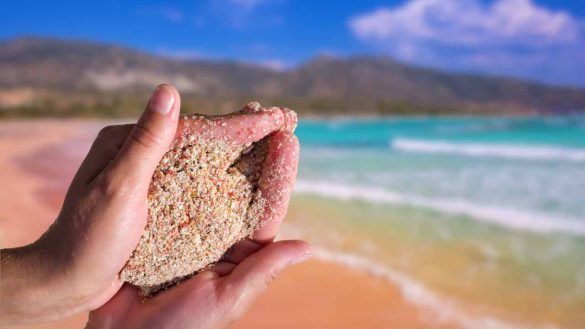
{"points": [[480, 221]]}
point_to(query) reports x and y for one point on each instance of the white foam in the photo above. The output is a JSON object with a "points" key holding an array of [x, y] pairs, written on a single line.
{"points": [[441, 308], [507, 151], [509, 218]]}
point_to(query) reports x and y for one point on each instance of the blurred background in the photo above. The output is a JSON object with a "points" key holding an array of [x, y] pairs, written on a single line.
{"points": [[442, 176]]}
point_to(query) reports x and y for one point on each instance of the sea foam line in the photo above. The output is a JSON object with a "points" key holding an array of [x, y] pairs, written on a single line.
{"points": [[508, 218], [444, 309], [507, 151]]}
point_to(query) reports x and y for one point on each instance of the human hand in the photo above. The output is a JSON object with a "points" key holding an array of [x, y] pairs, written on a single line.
{"points": [[211, 299], [75, 265]]}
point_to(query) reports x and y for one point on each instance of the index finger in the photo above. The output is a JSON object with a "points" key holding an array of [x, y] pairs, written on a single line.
{"points": [[242, 128], [276, 182]]}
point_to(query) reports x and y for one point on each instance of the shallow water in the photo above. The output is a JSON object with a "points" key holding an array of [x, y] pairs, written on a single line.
{"points": [[485, 213]]}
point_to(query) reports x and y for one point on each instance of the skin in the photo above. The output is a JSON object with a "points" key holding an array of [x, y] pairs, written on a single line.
{"points": [[74, 266]]}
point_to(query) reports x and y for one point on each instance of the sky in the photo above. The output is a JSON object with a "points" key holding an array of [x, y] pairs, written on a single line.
{"points": [[542, 40]]}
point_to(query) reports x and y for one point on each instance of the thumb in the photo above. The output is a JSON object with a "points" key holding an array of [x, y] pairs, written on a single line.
{"points": [[252, 276], [150, 138], [254, 273]]}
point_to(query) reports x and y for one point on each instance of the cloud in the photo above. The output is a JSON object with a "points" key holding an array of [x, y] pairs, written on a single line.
{"points": [[472, 33], [468, 22]]}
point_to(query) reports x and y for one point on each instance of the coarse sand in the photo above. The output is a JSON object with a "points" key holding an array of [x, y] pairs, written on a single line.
{"points": [[203, 198], [334, 296]]}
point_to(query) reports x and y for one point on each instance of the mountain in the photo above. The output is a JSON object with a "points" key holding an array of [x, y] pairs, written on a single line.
{"points": [[78, 65], [41, 67]]}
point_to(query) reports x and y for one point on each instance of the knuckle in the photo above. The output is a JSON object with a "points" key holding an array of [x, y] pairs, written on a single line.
{"points": [[110, 186], [105, 131], [145, 136], [106, 186], [115, 134]]}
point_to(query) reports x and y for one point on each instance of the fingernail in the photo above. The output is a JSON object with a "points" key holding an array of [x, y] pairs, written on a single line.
{"points": [[162, 100]]}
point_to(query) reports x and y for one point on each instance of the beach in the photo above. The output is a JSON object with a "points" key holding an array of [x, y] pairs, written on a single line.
{"points": [[440, 179], [452, 222], [39, 158]]}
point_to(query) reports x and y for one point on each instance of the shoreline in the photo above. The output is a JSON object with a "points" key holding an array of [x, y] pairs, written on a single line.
{"points": [[309, 117], [320, 294], [315, 294]]}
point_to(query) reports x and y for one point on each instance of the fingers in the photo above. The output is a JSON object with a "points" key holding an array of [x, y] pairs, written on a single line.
{"points": [[115, 309], [275, 184], [254, 273], [150, 138], [251, 277], [242, 250], [290, 120], [222, 268], [104, 148], [289, 117], [246, 279], [246, 126]]}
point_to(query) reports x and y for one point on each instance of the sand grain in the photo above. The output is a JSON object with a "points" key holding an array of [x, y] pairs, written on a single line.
{"points": [[203, 198]]}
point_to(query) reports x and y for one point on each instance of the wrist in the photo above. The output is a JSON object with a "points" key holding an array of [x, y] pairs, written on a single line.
{"points": [[32, 288]]}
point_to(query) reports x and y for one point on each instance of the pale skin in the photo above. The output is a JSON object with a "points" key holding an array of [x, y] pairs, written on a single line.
{"points": [[74, 266]]}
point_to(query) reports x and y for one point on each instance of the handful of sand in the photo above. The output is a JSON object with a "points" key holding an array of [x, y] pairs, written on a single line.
{"points": [[203, 198]]}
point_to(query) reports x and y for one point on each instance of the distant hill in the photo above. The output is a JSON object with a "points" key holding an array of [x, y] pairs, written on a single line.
{"points": [[34, 70]]}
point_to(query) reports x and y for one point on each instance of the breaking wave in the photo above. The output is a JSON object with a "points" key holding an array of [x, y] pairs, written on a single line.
{"points": [[505, 217], [507, 151], [444, 309]]}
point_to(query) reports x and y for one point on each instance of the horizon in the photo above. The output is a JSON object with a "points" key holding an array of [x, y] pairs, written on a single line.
{"points": [[541, 41], [296, 65], [437, 147]]}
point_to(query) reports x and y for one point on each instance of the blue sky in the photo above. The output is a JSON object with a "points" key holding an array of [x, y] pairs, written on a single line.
{"points": [[537, 39]]}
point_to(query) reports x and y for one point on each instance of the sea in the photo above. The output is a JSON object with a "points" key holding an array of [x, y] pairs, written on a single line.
{"points": [[479, 221]]}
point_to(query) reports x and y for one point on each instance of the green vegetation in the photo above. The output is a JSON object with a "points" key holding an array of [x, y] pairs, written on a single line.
{"points": [[125, 105], [52, 77]]}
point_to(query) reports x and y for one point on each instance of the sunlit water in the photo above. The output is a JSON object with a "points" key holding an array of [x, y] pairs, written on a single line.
{"points": [[480, 221]]}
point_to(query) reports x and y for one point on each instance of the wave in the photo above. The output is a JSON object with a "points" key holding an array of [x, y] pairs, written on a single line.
{"points": [[443, 309], [508, 218], [507, 151]]}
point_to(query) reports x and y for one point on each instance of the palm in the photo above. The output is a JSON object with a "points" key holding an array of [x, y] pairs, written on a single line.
{"points": [[224, 291], [74, 266], [211, 299]]}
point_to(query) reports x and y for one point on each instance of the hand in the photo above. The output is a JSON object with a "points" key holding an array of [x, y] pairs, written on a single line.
{"points": [[211, 299], [74, 266]]}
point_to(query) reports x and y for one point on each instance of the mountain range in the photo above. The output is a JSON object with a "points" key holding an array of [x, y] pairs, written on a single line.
{"points": [[34, 70]]}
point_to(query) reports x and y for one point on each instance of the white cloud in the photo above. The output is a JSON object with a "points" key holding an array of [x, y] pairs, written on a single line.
{"points": [[468, 22], [475, 34]]}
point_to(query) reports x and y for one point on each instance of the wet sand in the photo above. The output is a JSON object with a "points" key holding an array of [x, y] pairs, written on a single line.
{"points": [[39, 158], [317, 294]]}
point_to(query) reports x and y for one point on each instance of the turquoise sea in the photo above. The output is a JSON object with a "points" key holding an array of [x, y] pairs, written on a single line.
{"points": [[480, 221]]}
